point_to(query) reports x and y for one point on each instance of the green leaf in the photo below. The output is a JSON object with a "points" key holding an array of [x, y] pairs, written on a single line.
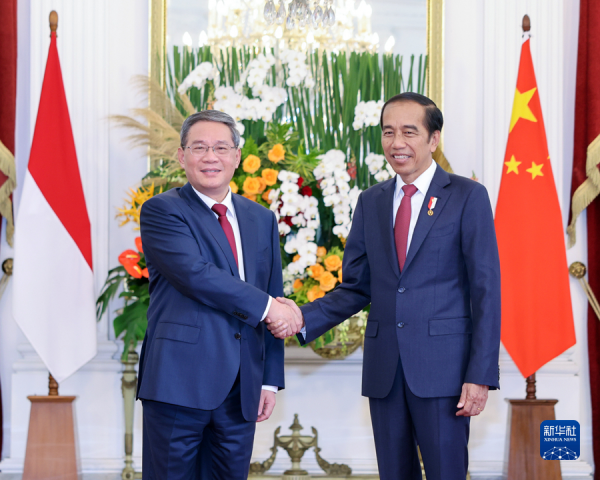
{"points": [[133, 319], [250, 148]]}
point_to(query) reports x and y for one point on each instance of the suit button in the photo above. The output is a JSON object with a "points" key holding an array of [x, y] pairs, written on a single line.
{"points": [[402, 290], [238, 336], [401, 325]]}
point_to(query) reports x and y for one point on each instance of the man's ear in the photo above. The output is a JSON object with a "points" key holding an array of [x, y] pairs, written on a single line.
{"points": [[435, 140], [180, 154], [238, 158]]}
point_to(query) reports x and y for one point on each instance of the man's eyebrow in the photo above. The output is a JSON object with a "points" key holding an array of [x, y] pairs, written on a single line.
{"points": [[411, 127], [202, 142]]}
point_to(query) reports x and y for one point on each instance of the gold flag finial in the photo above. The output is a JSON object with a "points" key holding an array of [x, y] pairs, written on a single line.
{"points": [[53, 21]]}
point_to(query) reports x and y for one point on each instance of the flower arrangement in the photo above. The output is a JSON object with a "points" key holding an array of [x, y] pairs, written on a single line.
{"points": [[310, 145]]}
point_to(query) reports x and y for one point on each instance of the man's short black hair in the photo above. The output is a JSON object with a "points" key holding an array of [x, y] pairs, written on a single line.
{"points": [[434, 120]]}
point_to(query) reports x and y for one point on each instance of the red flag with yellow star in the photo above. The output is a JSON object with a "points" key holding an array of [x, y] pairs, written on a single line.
{"points": [[537, 319]]}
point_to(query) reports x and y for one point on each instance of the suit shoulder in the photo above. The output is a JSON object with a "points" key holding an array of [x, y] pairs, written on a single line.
{"points": [[254, 207], [375, 189], [164, 199], [467, 185]]}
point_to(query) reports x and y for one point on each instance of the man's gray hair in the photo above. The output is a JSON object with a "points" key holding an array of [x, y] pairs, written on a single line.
{"points": [[209, 116]]}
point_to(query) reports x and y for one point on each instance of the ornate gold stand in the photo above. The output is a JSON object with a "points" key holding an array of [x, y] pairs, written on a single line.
{"points": [[296, 445]]}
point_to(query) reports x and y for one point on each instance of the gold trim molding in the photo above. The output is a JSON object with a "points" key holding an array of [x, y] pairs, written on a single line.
{"points": [[435, 51], [157, 40]]}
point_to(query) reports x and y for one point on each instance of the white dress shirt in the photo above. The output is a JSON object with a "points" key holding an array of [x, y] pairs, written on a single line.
{"points": [[228, 202], [416, 202]]}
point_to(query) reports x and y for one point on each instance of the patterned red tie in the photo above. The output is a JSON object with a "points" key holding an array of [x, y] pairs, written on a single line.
{"points": [[221, 211], [403, 223]]}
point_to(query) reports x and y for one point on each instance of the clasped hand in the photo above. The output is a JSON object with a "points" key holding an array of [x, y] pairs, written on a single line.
{"points": [[284, 318]]}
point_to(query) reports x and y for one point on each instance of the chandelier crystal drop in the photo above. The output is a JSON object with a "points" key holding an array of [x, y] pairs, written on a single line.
{"points": [[269, 12]]}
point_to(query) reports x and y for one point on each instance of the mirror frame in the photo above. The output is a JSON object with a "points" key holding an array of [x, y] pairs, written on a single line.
{"points": [[435, 45], [435, 50]]}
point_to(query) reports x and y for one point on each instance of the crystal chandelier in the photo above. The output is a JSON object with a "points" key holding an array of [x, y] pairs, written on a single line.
{"points": [[299, 11], [332, 25]]}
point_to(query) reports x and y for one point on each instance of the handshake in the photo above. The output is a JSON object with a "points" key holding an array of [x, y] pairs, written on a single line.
{"points": [[284, 318]]}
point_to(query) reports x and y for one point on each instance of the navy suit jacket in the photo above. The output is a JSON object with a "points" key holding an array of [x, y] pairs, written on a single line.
{"points": [[204, 321], [441, 315]]}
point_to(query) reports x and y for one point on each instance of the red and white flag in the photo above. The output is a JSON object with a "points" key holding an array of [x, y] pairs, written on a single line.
{"points": [[53, 280]]}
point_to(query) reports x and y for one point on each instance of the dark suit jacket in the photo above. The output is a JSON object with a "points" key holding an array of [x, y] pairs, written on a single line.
{"points": [[203, 321], [442, 313]]}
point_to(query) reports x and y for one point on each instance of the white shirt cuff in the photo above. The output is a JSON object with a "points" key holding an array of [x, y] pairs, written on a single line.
{"points": [[303, 332], [267, 309], [270, 388]]}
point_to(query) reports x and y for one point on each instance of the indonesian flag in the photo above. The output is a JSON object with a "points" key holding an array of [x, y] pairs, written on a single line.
{"points": [[537, 319], [53, 280]]}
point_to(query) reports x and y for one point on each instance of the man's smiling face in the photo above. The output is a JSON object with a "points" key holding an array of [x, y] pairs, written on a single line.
{"points": [[405, 140], [210, 174]]}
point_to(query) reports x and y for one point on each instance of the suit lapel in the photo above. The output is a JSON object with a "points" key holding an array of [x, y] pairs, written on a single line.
{"points": [[249, 233], [385, 204], [209, 221], [424, 222]]}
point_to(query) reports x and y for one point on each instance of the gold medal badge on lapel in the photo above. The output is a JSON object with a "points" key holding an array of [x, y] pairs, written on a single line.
{"points": [[431, 206]]}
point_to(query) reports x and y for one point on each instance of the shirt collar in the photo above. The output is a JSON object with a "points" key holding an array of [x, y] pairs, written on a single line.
{"points": [[422, 182], [227, 201]]}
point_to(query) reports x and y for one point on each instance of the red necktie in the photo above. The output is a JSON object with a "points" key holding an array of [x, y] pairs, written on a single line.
{"points": [[221, 211], [403, 223]]}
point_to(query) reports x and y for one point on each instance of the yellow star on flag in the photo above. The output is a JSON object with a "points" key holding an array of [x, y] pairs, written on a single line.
{"points": [[521, 107], [513, 165], [535, 170]]}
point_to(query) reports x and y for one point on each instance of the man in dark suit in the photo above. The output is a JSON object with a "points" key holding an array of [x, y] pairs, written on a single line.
{"points": [[208, 364], [422, 250]]}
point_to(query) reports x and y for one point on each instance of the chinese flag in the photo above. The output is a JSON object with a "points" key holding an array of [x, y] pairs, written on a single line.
{"points": [[537, 320]]}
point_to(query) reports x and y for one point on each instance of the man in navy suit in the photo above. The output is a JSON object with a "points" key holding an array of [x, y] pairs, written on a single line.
{"points": [[209, 368], [422, 250]]}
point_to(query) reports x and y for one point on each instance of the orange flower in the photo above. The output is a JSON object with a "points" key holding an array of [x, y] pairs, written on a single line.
{"points": [[250, 196], [333, 263], [265, 196], [297, 285], [321, 252], [234, 187], [316, 270], [138, 244], [277, 153], [129, 257], [327, 281], [133, 269], [145, 273], [251, 164], [314, 293], [251, 185], [296, 258], [263, 184], [340, 275], [270, 176]]}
